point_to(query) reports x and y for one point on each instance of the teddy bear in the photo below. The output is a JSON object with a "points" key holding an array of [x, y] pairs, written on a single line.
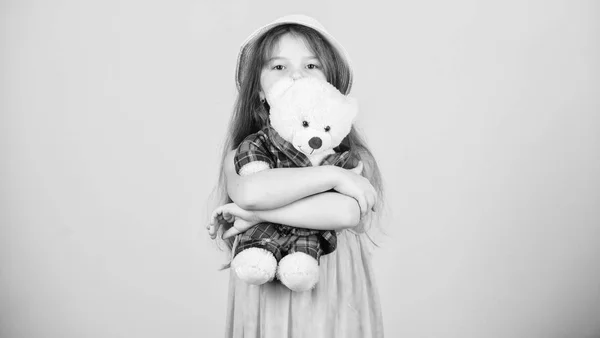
{"points": [[308, 120]]}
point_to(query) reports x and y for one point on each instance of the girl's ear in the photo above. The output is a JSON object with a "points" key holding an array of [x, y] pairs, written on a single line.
{"points": [[261, 94]]}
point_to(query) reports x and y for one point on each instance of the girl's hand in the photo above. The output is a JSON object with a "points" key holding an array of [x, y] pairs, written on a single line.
{"points": [[353, 184], [231, 213]]}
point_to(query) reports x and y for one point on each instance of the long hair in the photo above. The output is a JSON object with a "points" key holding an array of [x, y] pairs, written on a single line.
{"points": [[250, 115]]}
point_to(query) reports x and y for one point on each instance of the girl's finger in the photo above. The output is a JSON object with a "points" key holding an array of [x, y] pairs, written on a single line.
{"points": [[214, 219], [215, 214], [374, 202], [212, 231], [371, 202], [358, 169], [228, 217], [222, 221], [231, 232], [362, 203]]}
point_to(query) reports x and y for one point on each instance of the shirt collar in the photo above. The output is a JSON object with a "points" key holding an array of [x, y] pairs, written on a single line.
{"points": [[287, 148]]}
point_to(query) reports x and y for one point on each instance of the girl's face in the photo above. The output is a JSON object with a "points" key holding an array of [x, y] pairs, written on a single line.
{"points": [[290, 58]]}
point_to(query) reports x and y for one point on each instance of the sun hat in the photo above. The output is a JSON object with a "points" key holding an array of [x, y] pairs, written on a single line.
{"points": [[249, 45]]}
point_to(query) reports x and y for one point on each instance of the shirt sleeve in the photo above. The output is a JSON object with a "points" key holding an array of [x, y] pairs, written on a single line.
{"points": [[253, 149]]}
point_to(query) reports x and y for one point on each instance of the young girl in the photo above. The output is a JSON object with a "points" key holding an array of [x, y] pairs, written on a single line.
{"points": [[345, 302]]}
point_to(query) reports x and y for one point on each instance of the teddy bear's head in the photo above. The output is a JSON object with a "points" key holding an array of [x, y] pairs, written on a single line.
{"points": [[311, 114]]}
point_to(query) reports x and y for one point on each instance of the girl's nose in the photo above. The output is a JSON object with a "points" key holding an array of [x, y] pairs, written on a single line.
{"points": [[297, 74]]}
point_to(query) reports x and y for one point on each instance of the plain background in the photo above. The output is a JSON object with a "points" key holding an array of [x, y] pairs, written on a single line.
{"points": [[484, 117]]}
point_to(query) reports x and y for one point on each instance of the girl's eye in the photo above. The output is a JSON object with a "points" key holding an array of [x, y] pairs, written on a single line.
{"points": [[304, 124], [312, 66], [278, 67], [328, 128]]}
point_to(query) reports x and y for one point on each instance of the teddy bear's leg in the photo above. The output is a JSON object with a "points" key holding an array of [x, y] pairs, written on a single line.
{"points": [[255, 265], [298, 271]]}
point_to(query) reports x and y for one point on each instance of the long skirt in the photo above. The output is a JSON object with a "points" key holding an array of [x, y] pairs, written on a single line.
{"points": [[345, 302]]}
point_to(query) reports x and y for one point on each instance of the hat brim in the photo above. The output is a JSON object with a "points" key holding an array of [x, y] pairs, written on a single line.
{"points": [[248, 46]]}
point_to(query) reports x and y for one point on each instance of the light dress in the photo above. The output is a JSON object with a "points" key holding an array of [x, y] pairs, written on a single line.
{"points": [[344, 303]]}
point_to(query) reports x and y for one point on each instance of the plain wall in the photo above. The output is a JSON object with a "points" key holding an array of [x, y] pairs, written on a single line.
{"points": [[484, 117]]}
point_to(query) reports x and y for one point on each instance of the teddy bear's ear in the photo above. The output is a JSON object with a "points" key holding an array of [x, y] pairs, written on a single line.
{"points": [[352, 106]]}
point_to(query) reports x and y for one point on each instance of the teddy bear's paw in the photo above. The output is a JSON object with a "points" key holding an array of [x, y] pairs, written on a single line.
{"points": [[254, 266], [298, 271]]}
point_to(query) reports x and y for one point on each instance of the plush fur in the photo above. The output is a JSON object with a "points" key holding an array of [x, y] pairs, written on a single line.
{"points": [[255, 266], [314, 117], [298, 271], [320, 105]]}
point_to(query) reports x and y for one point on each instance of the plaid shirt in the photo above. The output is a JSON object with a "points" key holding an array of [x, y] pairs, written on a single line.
{"points": [[268, 146]]}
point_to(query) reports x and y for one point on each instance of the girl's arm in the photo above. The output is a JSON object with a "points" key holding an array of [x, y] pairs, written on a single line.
{"points": [[326, 211], [274, 188]]}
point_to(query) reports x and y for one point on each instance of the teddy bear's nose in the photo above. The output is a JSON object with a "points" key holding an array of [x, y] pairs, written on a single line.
{"points": [[315, 143]]}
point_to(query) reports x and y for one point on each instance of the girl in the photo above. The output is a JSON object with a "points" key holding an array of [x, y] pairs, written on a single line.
{"points": [[345, 302]]}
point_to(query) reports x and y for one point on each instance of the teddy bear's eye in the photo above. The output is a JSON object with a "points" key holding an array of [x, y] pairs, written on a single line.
{"points": [[304, 124], [328, 128]]}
